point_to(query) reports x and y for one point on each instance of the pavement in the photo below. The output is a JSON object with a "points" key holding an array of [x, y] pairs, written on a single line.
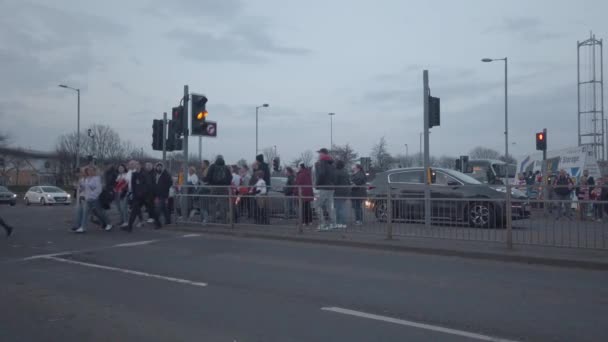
{"points": [[172, 285]]}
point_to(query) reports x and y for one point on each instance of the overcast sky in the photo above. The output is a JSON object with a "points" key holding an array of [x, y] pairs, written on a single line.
{"points": [[362, 60]]}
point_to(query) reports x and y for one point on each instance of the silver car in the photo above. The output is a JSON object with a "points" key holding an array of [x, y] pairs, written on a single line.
{"points": [[47, 195]]}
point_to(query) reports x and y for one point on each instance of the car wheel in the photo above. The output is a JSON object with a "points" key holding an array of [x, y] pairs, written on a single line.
{"points": [[42, 201], [27, 201], [480, 215], [381, 211]]}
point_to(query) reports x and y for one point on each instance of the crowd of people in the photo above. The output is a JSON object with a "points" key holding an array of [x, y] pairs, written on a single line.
{"points": [[560, 190]]}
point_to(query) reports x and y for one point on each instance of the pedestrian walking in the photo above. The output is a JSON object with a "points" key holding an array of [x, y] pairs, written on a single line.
{"points": [[290, 191], [583, 195], [8, 229], [121, 190], [235, 187], [263, 166], [141, 191], [219, 177], [161, 188], [90, 189], [596, 197], [359, 192], [325, 173], [342, 192], [243, 200], [563, 193], [548, 193], [204, 192], [304, 190]]}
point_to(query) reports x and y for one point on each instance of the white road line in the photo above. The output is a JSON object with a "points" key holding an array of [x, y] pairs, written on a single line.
{"points": [[191, 235], [46, 256], [436, 328], [136, 243], [127, 271]]}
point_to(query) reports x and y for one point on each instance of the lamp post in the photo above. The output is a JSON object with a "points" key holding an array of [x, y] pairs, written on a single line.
{"points": [[508, 192], [77, 90], [331, 131], [257, 109], [406, 155]]}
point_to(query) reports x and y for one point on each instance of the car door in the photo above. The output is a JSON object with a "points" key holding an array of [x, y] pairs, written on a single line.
{"points": [[408, 188], [447, 196], [33, 195]]}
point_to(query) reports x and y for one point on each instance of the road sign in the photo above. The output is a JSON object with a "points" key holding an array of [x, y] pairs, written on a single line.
{"points": [[210, 129]]}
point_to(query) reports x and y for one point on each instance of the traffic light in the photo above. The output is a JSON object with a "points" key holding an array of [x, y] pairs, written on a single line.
{"points": [[199, 114], [434, 111], [541, 141], [174, 142], [178, 116], [157, 135], [276, 164]]}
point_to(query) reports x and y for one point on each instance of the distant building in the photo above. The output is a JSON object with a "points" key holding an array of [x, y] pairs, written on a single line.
{"points": [[28, 167]]}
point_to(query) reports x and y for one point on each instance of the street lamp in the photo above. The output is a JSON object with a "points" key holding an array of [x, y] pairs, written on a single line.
{"points": [[77, 90], [508, 192], [265, 105], [406, 155], [331, 131]]}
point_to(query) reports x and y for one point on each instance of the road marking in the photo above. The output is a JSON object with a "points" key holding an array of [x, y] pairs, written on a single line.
{"points": [[127, 271], [136, 243], [191, 235], [436, 328]]}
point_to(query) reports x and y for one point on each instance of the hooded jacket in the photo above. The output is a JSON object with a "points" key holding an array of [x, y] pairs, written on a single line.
{"points": [[263, 167], [219, 167], [162, 183], [325, 172]]}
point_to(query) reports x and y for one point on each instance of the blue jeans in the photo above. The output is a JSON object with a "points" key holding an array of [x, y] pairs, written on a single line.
{"points": [[340, 210], [123, 208], [326, 204], [82, 214]]}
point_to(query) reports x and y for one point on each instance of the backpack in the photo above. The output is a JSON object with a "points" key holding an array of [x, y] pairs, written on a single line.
{"points": [[219, 175]]}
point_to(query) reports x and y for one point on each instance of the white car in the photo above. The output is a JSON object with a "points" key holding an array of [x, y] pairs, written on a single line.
{"points": [[44, 195]]}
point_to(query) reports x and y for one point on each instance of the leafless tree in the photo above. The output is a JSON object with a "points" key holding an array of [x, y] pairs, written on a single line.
{"points": [[345, 153], [481, 152], [270, 154], [446, 162], [381, 158]]}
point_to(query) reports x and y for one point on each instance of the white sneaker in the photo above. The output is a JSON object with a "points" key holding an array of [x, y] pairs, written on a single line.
{"points": [[124, 225], [108, 228], [79, 230], [139, 224], [323, 228], [150, 220]]}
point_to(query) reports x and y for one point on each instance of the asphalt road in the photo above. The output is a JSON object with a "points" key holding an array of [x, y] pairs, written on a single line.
{"points": [[174, 286]]}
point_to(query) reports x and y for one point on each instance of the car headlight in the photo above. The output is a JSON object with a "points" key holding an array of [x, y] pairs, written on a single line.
{"points": [[14, 195], [69, 196], [48, 195], [501, 189], [368, 204]]}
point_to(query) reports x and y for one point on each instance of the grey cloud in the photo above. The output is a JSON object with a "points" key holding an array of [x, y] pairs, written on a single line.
{"points": [[214, 9], [41, 46], [241, 43], [526, 28]]}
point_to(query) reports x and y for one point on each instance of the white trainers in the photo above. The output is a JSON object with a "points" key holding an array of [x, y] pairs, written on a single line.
{"points": [[150, 220], [108, 228], [79, 230], [323, 228], [124, 225]]}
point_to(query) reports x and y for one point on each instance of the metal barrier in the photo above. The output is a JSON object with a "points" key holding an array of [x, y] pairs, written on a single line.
{"points": [[578, 224]]}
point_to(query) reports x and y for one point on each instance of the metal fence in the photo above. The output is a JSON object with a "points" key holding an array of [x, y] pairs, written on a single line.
{"points": [[546, 221]]}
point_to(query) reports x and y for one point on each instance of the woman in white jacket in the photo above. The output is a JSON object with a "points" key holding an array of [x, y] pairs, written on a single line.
{"points": [[90, 189]]}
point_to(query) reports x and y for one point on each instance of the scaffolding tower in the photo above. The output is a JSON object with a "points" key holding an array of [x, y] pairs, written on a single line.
{"points": [[592, 128]]}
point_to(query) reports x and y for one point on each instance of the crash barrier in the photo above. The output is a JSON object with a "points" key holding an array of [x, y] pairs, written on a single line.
{"points": [[397, 212]]}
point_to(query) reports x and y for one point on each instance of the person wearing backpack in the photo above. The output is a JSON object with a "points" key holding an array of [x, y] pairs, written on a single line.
{"points": [[219, 177], [325, 180], [563, 191]]}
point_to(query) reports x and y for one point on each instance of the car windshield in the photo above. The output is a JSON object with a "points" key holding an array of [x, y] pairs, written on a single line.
{"points": [[462, 177], [502, 170], [3, 189], [51, 189]]}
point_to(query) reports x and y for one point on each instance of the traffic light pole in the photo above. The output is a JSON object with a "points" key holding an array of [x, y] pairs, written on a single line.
{"points": [[164, 137], [185, 145], [427, 176]]}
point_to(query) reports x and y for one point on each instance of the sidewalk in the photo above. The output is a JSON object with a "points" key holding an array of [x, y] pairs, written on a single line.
{"points": [[530, 254]]}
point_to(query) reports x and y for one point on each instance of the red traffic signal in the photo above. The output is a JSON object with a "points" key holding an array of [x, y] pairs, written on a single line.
{"points": [[541, 141]]}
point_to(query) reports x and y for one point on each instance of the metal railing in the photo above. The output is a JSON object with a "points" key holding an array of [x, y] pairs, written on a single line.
{"points": [[392, 213]]}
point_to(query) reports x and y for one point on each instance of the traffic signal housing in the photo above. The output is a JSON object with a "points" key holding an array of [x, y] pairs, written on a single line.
{"points": [[174, 142], [541, 141], [178, 116], [157, 135], [434, 111], [199, 114]]}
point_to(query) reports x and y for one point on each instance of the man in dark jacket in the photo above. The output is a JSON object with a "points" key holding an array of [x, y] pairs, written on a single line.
{"points": [[325, 173], [219, 178], [162, 184], [7, 228], [359, 192], [342, 192], [264, 167], [141, 191]]}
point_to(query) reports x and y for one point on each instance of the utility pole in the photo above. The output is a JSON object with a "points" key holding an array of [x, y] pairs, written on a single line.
{"points": [[164, 137], [200, 148], [185, 145], [427, 171]]}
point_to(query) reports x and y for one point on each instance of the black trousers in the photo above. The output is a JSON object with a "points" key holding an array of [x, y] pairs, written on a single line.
{"points": [[4, 224], [136, 211], [306, 213], [162, 206]]}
